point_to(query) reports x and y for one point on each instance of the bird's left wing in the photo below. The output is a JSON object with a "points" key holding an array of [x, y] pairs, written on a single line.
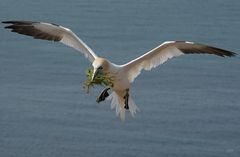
{"points": [[52, 32], [166, 51]]}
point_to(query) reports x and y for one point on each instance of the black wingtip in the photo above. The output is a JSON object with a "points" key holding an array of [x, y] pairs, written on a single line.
{"points": [[19, 22], [228, 53], [8, 27], [232, 55], [220, 52], [8, 22]]}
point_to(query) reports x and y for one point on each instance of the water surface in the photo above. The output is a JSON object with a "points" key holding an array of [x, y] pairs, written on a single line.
{"points": [[189, 106]]}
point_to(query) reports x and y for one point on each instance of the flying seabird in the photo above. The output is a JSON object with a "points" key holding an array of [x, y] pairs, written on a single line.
{"points": [[123, 75]]}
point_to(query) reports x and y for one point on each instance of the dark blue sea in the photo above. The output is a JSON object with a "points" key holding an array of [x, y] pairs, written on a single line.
{"points": [[190, 106]]}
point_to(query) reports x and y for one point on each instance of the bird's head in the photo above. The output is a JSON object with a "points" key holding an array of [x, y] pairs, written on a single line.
{"points": [[100, 66]]}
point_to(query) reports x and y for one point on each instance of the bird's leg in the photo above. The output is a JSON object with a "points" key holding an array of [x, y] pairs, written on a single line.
{"points": [[126, 99], [103, 95]]}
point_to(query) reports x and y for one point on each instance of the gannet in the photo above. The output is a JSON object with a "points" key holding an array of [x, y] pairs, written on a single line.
{"points": [[123, 75]]}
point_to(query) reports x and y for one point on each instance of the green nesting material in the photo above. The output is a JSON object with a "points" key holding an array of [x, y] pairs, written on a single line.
{"points": [[100, 79]]}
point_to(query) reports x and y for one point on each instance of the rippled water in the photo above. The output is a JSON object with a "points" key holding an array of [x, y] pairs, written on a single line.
{"points": [[189, 106]]}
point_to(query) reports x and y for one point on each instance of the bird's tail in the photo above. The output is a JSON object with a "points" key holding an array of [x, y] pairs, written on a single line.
{"points": [[117, 101]]}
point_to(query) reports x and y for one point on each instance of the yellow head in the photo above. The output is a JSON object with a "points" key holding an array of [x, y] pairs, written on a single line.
{"points": [[100, 65]]}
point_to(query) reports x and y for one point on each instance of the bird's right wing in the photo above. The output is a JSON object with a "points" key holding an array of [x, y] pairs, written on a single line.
{"points": [[166, 51], [53, 32]]}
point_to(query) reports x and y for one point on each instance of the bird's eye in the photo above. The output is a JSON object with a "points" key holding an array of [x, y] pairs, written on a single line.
{"points": [[100, 68]]}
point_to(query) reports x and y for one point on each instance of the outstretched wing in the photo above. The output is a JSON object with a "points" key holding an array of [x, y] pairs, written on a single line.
{"points": [[166, 51], [52, 32]]}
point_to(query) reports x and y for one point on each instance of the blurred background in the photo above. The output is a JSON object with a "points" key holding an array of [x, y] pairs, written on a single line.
{"points": [[190, 106]]}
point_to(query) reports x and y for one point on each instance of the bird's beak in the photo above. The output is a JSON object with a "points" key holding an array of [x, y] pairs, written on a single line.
{"points": [[95, 73]]}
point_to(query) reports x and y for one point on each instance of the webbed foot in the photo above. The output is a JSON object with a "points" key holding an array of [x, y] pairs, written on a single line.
{"points": [[126, 99], [104, 94]]}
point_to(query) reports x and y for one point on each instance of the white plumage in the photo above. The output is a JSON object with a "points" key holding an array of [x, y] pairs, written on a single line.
{"points": [[124, 74]]}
